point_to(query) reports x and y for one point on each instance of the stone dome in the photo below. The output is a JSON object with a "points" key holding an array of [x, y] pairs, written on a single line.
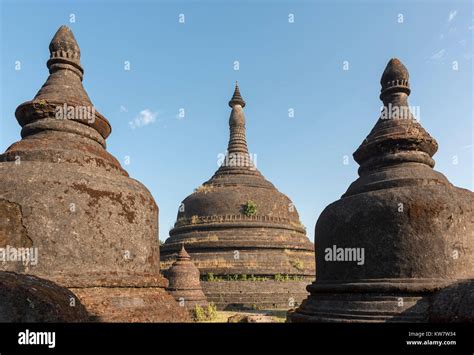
{"points": [[238, 211], [224, 196]]}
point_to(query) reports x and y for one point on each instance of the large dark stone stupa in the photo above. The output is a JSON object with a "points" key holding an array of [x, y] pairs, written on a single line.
{"points": [[413, 227], [237, 224], [62, 194]]}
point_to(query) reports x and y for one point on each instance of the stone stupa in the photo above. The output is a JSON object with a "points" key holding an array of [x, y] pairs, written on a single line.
{"points": [[184, 282], [62, 193], [414, 228], [238, 226]]}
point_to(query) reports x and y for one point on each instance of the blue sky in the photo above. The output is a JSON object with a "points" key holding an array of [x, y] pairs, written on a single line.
{"points": [[282, 66]]}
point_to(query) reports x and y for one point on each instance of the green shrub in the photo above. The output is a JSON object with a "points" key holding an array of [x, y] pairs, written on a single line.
{"points": [[198, 314], [278, 277], [211, 311], [249, 208], [297, 264], [206, 314]]}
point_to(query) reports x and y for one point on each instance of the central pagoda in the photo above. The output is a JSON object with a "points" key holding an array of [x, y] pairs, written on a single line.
{"points": [[238, 226]]}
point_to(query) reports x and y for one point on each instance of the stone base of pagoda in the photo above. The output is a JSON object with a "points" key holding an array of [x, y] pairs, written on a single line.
{"points": [[388, 300], [189, 299], [130, 305], [127, 298], [270, 294]]}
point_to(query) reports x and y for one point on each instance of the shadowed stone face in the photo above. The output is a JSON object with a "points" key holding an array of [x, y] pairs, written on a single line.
{"points": [[25, 298], [64, 194], [454, 303], [414, 227], [238, 223]]}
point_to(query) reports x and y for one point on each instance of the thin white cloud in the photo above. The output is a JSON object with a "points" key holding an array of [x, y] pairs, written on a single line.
{"points": [[439, 55], [123, 108], [144, 118], [452, 15]]}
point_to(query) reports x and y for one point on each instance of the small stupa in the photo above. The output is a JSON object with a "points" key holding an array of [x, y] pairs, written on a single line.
{"points": [[184, 282], [401, 232], [63, 195], [237, 226]]}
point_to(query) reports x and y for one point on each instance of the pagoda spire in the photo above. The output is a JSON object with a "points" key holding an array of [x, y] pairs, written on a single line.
{"points": [[237, 160], [64, 52], [397, 136], [394, 78], [237, 97], [62, 103], [237, 139], [183, 254], [64, 58]]}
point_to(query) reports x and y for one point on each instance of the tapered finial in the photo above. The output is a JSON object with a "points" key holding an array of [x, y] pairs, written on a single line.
{"points": [[183, 254], [237, 98], [394, 78], [397, 137], [64, 50], [62, 90]]}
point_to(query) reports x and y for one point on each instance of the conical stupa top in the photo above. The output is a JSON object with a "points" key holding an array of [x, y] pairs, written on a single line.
{"points": [[397, 136], [183, 254], [237, 98], [64, 45], [64, 58], [63, 92], [394, 78]]}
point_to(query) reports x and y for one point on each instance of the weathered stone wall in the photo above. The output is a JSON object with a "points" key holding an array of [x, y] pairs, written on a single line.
{"points": [[250, 294], [141, 304], [249, 259]]}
